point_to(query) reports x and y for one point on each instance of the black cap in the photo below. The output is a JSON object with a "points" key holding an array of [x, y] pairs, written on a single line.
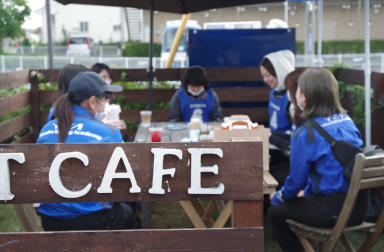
{"points": [[87, 84]]}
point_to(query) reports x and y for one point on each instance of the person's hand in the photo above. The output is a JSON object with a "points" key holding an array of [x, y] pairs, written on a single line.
{"points": [[118, 124], [276, 198], [300, 193]]}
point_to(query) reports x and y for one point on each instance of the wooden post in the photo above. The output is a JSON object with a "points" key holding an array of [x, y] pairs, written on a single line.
{"points": [[35, 105], [378, 114]]}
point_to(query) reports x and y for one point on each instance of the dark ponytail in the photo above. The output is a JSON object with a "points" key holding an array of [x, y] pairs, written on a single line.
{"points": [[64, 115]]}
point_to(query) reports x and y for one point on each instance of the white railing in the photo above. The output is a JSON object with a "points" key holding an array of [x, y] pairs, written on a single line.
{"points": [[96, 50], [16, 63]]}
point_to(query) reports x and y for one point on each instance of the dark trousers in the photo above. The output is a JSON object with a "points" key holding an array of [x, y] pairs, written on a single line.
{"points": [[315, 210], [121, 216]]}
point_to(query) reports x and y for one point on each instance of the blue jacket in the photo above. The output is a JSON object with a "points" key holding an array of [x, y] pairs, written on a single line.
{"points": [[277, 109], [51, 113], [326, 177], [85, 129], [189, 105]]}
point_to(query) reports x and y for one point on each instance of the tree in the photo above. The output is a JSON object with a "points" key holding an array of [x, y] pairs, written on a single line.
{"points": [[12, 16]]}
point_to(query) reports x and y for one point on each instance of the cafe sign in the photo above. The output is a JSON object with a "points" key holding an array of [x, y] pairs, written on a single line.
{"points": [[127, 170]]}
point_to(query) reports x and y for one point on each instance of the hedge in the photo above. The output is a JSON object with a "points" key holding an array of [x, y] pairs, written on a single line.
{"points": [[344, 46]]}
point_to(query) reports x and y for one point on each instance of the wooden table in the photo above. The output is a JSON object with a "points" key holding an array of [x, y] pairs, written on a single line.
{"points": [[200, 216]]}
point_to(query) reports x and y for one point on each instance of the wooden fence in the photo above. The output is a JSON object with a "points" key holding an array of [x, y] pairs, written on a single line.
{"points": [[232, 95], [239, 173]]}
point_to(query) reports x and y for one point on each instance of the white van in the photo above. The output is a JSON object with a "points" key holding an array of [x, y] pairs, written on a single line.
{"points": [[181, 56], [79, 46]]}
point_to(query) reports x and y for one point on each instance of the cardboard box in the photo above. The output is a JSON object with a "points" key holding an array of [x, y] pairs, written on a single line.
{"points": [[260, 133]]}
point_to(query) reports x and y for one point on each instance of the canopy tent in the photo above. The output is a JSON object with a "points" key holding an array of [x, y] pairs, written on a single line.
{"points": [[174, 6], [188, 6]]}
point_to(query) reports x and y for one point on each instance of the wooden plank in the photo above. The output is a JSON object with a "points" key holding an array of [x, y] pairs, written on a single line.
{"points": [[222, 74], [229, 74], [241, 160], [28, 138], [159, 95], [192, 213], [48, 96], [35, 106], [28, 216], [351, 76], [247, 213], [14, 126], [378, 114], [14, 79], [269, 183], [13, 103], [43, 117], [131, 74], [243, 94], [224, 215], [373, 172], [50, 75], [133, 115], [228, 239], [371, 183]]}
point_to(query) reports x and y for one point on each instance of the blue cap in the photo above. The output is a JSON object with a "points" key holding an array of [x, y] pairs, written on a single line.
{"points": [[87, 84]]}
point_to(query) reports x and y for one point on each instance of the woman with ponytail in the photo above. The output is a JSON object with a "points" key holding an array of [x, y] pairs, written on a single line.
{"points": [[76, 121]]}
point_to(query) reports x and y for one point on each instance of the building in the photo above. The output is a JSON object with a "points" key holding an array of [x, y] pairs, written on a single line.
{"points": [[342, 20], [101, 23]]}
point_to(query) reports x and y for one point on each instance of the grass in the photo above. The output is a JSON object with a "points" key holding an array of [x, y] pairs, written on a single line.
{"points": [[167, 215]]}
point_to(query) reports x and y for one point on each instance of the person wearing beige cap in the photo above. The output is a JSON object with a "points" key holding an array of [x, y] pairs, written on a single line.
{"points": [[76, 121]]}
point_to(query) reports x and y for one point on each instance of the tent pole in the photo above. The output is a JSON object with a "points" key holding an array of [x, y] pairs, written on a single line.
{"points": [[176, 40], [49, 34], [320, 33], [150, 68], [286, 12], [367, 77]]}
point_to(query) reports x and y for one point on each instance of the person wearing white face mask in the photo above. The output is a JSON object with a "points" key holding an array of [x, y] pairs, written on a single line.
{"points": [[195, 97], [104, 72], [76, 114]]}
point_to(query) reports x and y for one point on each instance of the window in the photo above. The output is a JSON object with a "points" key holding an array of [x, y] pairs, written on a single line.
{"points": [[116, 28], [84, 26]]}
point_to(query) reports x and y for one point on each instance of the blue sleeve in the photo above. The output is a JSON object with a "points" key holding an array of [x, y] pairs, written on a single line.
{"points": [[114, 138], [50, 114], [299, 166]]}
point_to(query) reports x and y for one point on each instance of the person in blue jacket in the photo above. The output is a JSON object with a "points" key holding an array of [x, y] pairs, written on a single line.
{"points": [[274, 68], [75, 113], [315, 189], [65, 76], [195, 98]]}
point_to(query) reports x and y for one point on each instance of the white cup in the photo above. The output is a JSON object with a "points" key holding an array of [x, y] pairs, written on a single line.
{"points": [[146, 118]]}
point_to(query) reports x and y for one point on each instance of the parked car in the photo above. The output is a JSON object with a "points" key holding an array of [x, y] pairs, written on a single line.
{"points": [[79, 46]]}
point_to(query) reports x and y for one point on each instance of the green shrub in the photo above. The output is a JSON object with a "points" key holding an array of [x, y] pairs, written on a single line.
{"points": [[136, 49], [344, 46]]}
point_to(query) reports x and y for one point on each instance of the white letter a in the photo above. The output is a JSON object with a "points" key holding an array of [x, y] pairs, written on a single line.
{"points": [[110, 173]]}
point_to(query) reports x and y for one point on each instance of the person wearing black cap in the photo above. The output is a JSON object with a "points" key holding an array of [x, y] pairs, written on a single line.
{"points": [[195, 98], [76, 122]]}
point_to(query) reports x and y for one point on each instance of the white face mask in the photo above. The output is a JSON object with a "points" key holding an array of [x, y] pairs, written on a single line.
{"points": [[195, 93], [99, 116]]}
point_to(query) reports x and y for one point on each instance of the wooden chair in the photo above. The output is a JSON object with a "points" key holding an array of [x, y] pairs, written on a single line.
{"points": [[368, 173]]}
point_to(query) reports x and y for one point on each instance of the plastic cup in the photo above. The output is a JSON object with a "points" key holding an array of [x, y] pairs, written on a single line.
{"points": [[156, 134], [146, 118]]}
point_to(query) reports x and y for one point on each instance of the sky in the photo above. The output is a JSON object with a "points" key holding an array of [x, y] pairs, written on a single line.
{"points": [[34, 20]]}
